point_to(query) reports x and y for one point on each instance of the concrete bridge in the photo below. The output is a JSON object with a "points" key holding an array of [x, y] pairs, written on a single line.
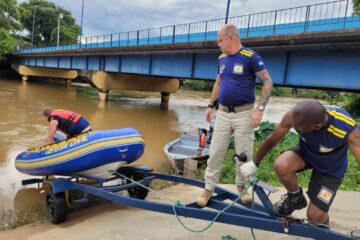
{"points": [[315, 46]]}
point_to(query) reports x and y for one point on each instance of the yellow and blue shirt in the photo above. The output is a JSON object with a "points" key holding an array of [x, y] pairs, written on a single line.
{"points": [[237, 77], [326, 149]]}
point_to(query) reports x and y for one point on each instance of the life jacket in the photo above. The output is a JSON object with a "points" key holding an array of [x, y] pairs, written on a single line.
{"points": [[68, 118]]}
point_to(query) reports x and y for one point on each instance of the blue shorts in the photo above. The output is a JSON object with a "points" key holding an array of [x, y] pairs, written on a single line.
{"points": [[78, 127]]}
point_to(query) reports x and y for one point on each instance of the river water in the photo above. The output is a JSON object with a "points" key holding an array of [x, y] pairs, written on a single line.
{"points": [[22, 125]]}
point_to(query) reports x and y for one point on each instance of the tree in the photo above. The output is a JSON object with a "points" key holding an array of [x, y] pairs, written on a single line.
{"points": [[46, 23], [9, 24], [356, 7], [6, 43]]}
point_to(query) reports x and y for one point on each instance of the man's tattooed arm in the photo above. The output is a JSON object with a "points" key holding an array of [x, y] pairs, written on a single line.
{"points": [[265, 79]]}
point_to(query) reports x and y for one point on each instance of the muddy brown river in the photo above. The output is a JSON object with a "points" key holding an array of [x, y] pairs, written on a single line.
{"points": [[22, 125]]}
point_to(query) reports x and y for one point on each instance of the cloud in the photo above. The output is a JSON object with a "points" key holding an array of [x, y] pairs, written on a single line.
{"points": [[113, 16]]}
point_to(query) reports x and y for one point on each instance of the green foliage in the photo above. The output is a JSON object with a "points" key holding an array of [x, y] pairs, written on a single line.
{"points": [[6, 43], [348, 101], [67, 36], [264, 130], [200, 85], [356, 7], [9, 15], [46, 23], [8, 25], [267, 174], [281, 91]]}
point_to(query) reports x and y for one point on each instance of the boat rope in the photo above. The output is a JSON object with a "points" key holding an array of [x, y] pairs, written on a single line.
{"points": [[218, 214], [146, 187], [228, 237], [179, 203]]}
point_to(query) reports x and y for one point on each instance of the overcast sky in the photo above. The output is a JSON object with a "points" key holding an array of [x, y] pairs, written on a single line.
{"points": [[113, 16]]}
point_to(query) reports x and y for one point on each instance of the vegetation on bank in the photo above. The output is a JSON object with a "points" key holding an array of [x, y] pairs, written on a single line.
{"points": [[266, 173], [16, 25], [348, 101]]}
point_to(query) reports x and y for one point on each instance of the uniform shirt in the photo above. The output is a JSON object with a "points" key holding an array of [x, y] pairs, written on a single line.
{"points": [[237, 77], [66, 122], [326, 149]]}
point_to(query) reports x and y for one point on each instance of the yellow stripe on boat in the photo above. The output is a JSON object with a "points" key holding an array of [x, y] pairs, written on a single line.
{"points": [[79, 151]]}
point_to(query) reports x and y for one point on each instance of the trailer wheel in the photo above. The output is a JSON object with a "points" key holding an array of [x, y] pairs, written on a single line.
{"points": [[56, 206], [137, 192]]}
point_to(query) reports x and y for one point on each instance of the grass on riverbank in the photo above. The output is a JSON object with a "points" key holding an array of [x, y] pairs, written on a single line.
{"points": [[10, 219], [351, 182]]}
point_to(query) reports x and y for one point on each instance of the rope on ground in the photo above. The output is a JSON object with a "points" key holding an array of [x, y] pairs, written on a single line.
{"points": [[228, 237], [178, 202], [215, 218]]}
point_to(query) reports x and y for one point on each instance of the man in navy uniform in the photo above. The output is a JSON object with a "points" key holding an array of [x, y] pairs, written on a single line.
{"points": [[325, 134], [234, 88]]}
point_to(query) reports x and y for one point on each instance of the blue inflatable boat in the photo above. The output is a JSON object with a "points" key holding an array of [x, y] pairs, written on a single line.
{"points": [[88, 154]]}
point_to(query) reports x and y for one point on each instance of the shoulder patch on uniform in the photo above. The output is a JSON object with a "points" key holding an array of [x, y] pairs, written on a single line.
{"points": [[337, 131], [342, 117], [222, 56], [246, 53]]}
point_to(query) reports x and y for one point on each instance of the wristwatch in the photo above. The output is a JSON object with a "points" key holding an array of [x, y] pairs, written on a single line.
{"points": [[261, 107], [210, 106]]}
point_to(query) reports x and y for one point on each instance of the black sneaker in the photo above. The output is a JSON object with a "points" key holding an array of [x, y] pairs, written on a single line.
{"points": [[290, 202]]}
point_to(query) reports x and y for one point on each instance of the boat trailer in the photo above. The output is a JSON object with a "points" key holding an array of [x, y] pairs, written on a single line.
{"points": [[135, 179]]}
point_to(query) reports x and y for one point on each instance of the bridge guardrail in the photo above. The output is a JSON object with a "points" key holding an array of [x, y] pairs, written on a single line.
{"points": [[317, 17]]}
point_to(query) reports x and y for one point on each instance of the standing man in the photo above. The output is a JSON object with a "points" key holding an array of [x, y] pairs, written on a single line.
{"points": [[68, 122], [325, 133], [234, 88]]}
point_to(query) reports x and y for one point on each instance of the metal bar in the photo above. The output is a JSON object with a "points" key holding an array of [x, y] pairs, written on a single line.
{"points": [[206, 23], [346, 9], [193, 61], [236, 209], [227, 11], [33, 27], [173, 36], [247, 32], [273, 225], [117, 188], [137, 38], [275, 23], [307, 18], [160, 35], [150, 64], [286, 66], [189, 33]]}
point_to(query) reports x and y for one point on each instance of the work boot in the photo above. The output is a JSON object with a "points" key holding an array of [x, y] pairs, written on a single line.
{"points": [[204, 198], [290, 202], [245, 197], [325, 225]]}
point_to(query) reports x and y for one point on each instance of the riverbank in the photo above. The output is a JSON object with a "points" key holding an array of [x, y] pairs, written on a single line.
{"points": [[351, 181], [112, 221]]}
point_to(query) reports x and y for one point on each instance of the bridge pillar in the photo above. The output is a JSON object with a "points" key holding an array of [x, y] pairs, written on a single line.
{"points": [[68, 82], [105, 81], [104, 96], [165, 96], [26, 71]]}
